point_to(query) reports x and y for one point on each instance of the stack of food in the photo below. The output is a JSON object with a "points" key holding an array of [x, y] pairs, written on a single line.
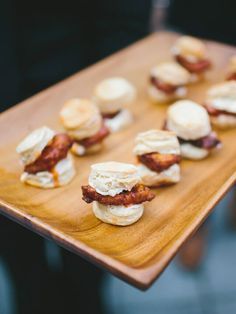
{"points": [[221, 104], [83, 122], [46, 159], [112, 97], [191, 53], [158, 153], [168, 82], [116, 193], [191, 124]]}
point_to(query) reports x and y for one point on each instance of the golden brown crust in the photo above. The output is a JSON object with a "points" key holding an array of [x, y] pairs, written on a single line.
{"points": [[95, 139], [159, 162], [137, 195], [51, 154]]}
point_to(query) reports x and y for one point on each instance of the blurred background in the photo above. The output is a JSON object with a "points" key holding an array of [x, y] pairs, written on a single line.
{"points": [[43, 42]]}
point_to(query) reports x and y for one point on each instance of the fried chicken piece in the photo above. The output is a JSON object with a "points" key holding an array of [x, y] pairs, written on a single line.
{"points": [[207, 142], [164, 87], [159, 162], [137, 195], [194, 67], [51, 154], [97, 138]]}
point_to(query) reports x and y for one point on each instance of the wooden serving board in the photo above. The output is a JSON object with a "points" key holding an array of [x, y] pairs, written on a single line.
{"points": [[138, 253]]}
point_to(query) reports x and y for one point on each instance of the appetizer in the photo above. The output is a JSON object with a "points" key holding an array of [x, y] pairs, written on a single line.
{"points": [[112, 96], [191, 53], [83, 122], [232, 69], [158, 154], [221, 104], [191, 124], [46, 159], [167, 82], [116, 193]]}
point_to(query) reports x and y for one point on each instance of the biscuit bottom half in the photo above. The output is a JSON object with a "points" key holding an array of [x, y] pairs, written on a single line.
{"points": [[190, 151], [62, 174], [118, 215], [154, 179]]}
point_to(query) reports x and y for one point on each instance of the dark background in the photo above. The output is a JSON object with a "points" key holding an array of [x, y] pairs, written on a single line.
{"points": [[43, 42]]}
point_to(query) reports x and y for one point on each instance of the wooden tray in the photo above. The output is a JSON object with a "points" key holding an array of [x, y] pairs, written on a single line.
{"points": [[138, 253]]}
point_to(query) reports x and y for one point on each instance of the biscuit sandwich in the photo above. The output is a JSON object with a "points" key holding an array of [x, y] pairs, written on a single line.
{"points": [[158, 154], [116, 193], [191, 124], [191, 53], [113, 96], [168, 82], [46, 158], [83, 122], [221, 104]]}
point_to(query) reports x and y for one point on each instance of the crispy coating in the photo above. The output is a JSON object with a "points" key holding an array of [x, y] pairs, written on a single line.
{"points": [[164, 87], [159, 162], [194, 67], [231, 77], [95, 139], [137, 195], [51, 154]]}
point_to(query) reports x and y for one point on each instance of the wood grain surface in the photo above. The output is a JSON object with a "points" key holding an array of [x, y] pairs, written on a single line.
{"points": [[138, 253]]}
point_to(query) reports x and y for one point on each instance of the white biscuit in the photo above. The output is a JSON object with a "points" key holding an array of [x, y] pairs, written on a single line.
{"points": [[112, 94], [123, 119], [188, 120], [81, 118], [154, 179], [63, 173], [223, 96], [171, 73], [224, 121], [190, 151], [32, 146], [191, 48], [156, 95], [152, 141], [111, 178], [118, 215]]}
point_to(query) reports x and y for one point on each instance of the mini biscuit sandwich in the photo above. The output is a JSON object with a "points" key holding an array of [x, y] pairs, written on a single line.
{"points": [[46, 158], [83, 122], [191, 124], [221, 104], [116, 193], [232, 69], [158, 154], [191, 53], [168, 82], [112, 96]]}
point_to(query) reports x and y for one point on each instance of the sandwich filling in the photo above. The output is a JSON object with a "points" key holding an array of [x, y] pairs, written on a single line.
{"points": [[159, 162], [207, 142], [232, 77], [56, 150], [166, 88], [196, 66], [94, 139], [137, 195]]}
